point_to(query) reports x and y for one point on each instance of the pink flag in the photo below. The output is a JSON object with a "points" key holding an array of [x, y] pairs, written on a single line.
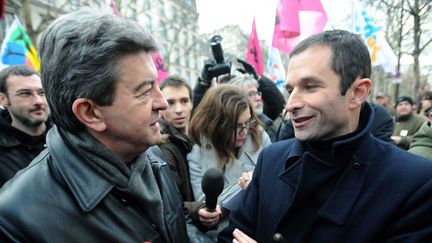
{"points": [[115, 9], [156, 56], [295, 21], [160, 66], [253, 55]]}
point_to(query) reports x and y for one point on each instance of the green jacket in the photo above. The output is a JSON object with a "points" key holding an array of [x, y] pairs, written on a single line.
{"points": [[405, 128], [422, 141]]}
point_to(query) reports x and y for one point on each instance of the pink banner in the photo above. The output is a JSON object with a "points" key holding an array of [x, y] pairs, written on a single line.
{"points": [[253, 55], [295, 21], [160, 66]]}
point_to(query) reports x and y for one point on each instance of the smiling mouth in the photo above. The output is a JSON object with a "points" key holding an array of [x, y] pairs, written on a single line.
{"points": [[302, 120]]}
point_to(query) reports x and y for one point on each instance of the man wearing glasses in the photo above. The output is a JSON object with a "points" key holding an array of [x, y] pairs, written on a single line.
{"points": [[23, 122]]}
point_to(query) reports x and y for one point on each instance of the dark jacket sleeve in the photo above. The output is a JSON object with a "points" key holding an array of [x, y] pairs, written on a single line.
{"points": [[274, 101], [199, 92]]}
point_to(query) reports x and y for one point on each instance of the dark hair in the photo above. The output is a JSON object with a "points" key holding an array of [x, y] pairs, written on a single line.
{"points": [[427, 95], [350, 56], [216, 118], [14, 70], [79, 53], [404, 98], [175, 81]]}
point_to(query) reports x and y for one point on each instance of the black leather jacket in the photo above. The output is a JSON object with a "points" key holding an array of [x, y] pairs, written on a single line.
{"points": [[59, 198]]}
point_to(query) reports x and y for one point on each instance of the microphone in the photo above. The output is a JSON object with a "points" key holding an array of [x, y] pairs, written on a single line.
{"points": [[212, 185]]}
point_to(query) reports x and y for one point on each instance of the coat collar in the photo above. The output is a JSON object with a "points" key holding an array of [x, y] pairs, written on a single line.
{"points": [[86, 185], [337, 207]]}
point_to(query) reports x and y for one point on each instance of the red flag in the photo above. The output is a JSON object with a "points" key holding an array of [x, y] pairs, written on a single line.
{"points": [[160, 66], [295, 21], [115, 9], [253, 55]]}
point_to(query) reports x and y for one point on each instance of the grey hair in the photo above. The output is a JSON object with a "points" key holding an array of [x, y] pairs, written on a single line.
{"points": [[79, 53], [243, 80]]}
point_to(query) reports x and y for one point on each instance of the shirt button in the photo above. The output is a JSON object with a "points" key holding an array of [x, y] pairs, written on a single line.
{"points": [[208, 146], [356, 166], [278, 237], [154, 226]]}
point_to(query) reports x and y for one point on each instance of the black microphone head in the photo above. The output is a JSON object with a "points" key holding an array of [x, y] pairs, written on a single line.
{"points": [[212, 185]]}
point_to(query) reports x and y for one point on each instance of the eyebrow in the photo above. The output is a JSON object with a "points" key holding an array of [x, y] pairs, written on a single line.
{"points": [[29, 89], [303, 80]]}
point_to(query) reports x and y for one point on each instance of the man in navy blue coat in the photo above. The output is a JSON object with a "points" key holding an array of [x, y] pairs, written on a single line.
{"points": [[333, 182]]}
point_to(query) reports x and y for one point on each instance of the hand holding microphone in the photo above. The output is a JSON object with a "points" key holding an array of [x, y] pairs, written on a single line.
{"points": [[212, 186]]}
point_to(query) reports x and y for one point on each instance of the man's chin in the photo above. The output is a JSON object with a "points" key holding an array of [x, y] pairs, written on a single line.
{"points": [[35, 123]]}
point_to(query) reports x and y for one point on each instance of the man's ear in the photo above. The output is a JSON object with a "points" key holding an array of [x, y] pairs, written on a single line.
{"points": [[360, 91], [4, 101], [88, 113]]}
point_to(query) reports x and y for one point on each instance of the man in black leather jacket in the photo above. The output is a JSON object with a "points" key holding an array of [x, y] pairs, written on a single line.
{"points": [[23, 122], [95, 182]]}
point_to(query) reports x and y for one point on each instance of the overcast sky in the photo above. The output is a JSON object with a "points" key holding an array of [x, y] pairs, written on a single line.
{"points": [[216, 14]]}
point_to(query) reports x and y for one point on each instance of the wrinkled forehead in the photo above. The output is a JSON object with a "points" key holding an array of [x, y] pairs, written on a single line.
{"points": [[18, 82]]}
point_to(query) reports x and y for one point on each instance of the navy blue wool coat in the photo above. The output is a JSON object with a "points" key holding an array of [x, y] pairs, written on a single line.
{"points": [[369, 191]]}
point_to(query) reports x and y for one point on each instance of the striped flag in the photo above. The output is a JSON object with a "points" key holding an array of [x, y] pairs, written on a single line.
{"points": [[380, 51], [276, 68], [17, 48]]}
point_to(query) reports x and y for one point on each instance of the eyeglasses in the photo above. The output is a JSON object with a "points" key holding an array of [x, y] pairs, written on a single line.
{"points": [[248, 125], [27, 93], [254, 94]]}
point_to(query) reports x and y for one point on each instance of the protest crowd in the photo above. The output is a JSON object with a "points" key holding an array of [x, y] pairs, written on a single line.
{"points": [[96, 147]]}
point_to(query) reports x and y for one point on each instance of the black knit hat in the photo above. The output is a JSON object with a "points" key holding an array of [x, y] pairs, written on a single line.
{"points": [[404, 98], [427, 96]]}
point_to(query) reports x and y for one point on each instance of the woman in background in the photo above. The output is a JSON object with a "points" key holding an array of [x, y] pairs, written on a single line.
{"points": [[228, 136]]}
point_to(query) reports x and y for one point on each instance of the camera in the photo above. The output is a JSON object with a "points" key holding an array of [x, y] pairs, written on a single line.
{"points": [[221, 66]]}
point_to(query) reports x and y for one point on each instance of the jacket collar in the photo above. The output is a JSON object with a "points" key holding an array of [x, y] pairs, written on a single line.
{"points": [[86, 185], [171, 131], [338, 205]]}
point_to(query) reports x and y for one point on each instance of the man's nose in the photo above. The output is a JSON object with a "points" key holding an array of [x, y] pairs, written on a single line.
{"points": [[295, 101], [178, 108], [160, 102], [38, 99]]}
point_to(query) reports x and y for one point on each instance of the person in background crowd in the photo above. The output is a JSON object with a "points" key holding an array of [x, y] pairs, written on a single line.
{"points": [[272, 97], [24, 122], [426, 103], [99, 180], [177, 144], [407, 122], [422, 140], [334, 182], [247, 83], [382, 100], [228, 136]]}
